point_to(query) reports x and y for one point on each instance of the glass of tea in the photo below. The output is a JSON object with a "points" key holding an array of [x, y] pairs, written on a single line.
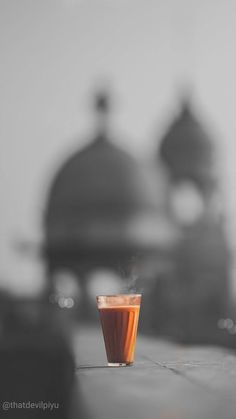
{"points": [[119, 316]]}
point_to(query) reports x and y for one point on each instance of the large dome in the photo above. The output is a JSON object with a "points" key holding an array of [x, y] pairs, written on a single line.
{"points": [[95, 195], [100, 178]]}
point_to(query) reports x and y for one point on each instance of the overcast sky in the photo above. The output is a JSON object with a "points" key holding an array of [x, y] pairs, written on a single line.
{"points": [[52, 54]]}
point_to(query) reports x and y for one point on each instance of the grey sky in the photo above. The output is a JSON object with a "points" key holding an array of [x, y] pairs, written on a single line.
{"points": [[52, 54]]}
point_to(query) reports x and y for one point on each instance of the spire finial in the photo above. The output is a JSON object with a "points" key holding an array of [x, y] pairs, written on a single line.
{"points": [[102, 101], [102, 108]]}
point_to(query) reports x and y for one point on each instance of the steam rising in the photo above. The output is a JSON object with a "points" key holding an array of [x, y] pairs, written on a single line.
{"points": [[132, 277]]}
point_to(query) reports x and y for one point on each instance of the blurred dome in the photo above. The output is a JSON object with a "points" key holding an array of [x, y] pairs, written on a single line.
{"points": [[187, 150], [95, 196], [99, 179], [101, 198]]}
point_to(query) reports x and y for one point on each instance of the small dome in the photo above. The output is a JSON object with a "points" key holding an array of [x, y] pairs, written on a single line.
{"points": [[187, 150]]}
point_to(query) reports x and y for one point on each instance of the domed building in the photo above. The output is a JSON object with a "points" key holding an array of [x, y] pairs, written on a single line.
{"points": [[100, 211]]}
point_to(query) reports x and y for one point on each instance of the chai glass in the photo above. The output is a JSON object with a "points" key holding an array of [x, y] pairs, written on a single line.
{"points": [[119, 316]]}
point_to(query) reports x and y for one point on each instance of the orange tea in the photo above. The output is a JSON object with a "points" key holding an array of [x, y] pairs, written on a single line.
{"points": [[119, 319]]}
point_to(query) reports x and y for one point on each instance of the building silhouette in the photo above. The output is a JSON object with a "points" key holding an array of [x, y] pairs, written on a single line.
{"points": [[169, 238], [192, 295]]}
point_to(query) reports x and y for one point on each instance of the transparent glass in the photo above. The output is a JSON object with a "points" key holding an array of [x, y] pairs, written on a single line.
{"points": [[119, 316]]}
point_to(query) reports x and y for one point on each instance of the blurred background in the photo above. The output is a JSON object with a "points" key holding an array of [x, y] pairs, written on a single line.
{"points": [[117, 174], [117, 159]]}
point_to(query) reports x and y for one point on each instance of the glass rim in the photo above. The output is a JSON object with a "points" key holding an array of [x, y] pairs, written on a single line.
{"points": [[118, 295]]}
